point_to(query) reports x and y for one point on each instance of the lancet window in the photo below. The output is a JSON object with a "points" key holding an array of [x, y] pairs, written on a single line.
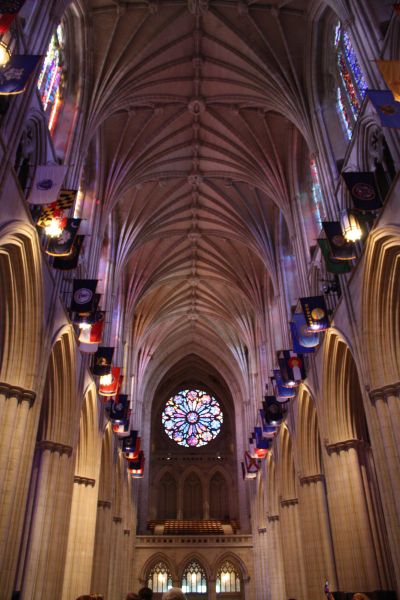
{"points": [[352, 85], [51, 80], [159, 578], [194, 580], [228, 580]]}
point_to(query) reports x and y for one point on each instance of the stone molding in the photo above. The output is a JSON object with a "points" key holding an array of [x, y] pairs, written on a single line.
{"points": [[54, 447], [14, 391], [127, 532], [343, 446], [382, 393], [103, 504], [307, 479], [273, 518], [84, 480], [117, 519], [289, 502]]}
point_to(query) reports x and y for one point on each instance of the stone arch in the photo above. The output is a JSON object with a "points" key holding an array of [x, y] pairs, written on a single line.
{"points": [[237, 563], [308, 444], [167, 492], [218, 495], [61, 402], [153, 560], [353, 495], [343, 405], [287, 476], [381, 306], [21, 305], [193, 495], [201, 560]]}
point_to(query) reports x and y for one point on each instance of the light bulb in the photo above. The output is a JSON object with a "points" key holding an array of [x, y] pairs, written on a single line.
{"points": [[54, 229], [4, 54], [351, 229], [106, 379]]}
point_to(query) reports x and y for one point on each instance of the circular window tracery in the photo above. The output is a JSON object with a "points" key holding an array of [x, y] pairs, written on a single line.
{"points": [[192, 418]]}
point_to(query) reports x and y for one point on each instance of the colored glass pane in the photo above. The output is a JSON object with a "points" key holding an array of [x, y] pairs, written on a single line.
{"points": [[228, 579], [194, 580], [50, 82], [192, 418], [318, 199], [159, 578], [352, 84]]}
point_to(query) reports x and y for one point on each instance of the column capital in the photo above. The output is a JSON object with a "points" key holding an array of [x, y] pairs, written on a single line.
{"points": [[382, 393], [273, 518], [54, 447], [84, 480], [127, 532], [103, 504], [289, 501], [15, 391], [307, 479], [117, 519], [343, 446]]}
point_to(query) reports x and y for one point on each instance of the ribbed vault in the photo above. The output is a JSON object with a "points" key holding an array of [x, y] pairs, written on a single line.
{"points": [[197, 106]]}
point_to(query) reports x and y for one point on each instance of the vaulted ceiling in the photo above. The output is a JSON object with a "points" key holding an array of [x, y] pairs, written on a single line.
{"points": [[197, 104]]}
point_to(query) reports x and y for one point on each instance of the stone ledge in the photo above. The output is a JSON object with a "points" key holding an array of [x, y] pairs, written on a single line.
{"points": [[84, 481], [15, 391], [54, 447], [289, 502], [343, 446], [103, 504], [307, 479], [392, 389]]}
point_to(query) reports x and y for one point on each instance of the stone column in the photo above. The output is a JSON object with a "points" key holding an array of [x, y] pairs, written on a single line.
{"points": [[316, 535], [212, 590], [18, 424], [101, 560], [351, 519], [80, 549], [117, 562], [276, 572], [292, 549], [44, 568], [384, 428], [127, 559]]}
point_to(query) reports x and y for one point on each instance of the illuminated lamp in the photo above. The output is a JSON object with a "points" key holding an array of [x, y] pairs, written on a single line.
{"points": [[106, 379], [5, 54], [54, 228], [351, 229]]}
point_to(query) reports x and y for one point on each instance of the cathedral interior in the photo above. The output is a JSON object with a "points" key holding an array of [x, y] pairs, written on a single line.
{"points": [[200, 299]]}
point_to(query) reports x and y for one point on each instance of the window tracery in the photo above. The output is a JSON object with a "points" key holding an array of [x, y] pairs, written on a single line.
{"points": [[51, 79], [192, 418], [194, 580], [159, 578], [228, 579], [352, 85]]}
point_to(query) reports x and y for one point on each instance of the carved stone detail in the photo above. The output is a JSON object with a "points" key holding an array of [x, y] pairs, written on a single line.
{"points": [[117, 519], [14, 391], [273, 517], [198, 7], [343, 445], [103, 504], [289, 502], [387, 390], [54, 447], [84, 480], [312, 479]]}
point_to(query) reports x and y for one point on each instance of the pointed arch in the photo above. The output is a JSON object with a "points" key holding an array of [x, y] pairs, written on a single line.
{"points": [[193, 496], [381, 306], [308, 443], [194, 574], [343, 409], [287, 473], [61, 402], [21, 305], [219, 496]]}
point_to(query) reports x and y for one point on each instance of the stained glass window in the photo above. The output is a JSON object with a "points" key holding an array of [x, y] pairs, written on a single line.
{"points": [[228, 579], [352, 84], [194, 580], [159, 578], [50, 82], [192, 418]]}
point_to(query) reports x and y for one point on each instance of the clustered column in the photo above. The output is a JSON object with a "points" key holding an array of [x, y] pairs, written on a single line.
{"points": [[18, 424]]}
